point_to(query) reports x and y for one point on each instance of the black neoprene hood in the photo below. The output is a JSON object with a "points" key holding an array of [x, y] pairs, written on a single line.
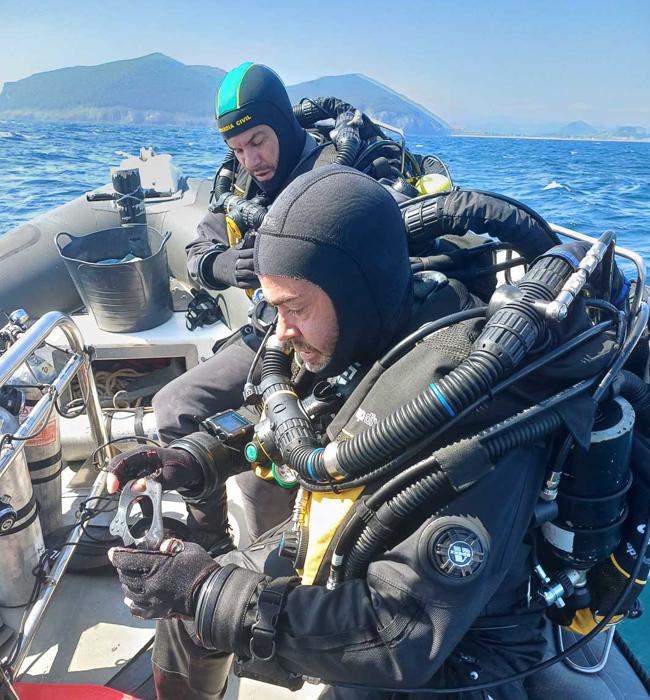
{"points": [[251, 95], [341, 230]]}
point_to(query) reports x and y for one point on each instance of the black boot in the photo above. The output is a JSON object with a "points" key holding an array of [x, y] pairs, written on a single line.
{"points": [[208, 523], [174, 686], [184, 671]]}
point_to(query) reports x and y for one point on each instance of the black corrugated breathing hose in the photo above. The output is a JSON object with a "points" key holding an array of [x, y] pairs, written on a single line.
{"points": [[637, 392], [508, 336], [435, 490]]}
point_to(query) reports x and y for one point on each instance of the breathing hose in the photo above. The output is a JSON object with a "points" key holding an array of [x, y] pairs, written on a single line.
{"points": [[509, 335], [637, 392], [290, 425], [436, 490], [225, 175], [459, 211]]}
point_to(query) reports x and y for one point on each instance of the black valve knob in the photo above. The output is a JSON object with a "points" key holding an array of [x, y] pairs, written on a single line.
{"points": [[293, 546]]}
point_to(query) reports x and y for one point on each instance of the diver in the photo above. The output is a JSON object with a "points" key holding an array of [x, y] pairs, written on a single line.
{"points": [[270, 143], [256, 120], [399, 569]]}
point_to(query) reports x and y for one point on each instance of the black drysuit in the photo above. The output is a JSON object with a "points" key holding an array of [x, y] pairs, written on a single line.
{"points": [[407, 622]]}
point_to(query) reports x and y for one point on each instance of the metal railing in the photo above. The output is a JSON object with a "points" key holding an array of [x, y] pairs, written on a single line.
{"points": [[639, 263], [77, 365]]}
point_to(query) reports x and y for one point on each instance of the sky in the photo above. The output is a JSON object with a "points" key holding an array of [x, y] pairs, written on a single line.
{"points": [[469, 61]]}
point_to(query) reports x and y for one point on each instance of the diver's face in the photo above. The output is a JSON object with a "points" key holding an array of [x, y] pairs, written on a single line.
{"points": [[306, 318], [257, 150]]}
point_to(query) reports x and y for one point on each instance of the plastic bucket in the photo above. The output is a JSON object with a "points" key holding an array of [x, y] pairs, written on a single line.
{"points": [[123, 296]]}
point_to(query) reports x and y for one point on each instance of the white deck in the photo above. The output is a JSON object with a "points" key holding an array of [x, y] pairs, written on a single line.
{"points": [[88, 633]]}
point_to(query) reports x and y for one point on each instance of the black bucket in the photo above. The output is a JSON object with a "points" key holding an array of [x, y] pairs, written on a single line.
{"points": [[123, 296]]}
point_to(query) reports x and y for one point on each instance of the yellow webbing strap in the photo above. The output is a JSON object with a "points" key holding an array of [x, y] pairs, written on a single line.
{"points": [[326, 511], [234, 234], [584, 621]]}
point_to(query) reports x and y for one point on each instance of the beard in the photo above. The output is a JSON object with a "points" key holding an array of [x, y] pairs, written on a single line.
{"points": [[315, 360]]}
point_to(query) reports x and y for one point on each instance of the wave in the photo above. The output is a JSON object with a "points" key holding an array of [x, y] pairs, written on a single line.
{"points": [[555, 185], [13, 136], [122, 154], [630, 188]]}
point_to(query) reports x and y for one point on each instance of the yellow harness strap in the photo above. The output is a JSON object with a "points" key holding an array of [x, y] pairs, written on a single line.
{"points": [[326, 511]]}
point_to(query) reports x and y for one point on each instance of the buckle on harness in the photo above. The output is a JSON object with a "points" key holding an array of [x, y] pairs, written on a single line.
{"points": [[269, 607]]}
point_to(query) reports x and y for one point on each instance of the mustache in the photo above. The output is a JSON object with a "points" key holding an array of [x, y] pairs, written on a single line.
{"points": [[306, 347]]}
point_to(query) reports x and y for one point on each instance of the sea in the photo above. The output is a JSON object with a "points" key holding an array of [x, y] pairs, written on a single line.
{"points": [[590, 186]]}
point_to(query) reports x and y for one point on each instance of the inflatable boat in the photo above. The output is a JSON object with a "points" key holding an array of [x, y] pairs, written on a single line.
{"points": [[70, 636]]}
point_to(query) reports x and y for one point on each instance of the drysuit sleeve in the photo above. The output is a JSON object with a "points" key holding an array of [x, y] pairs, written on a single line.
{"points": [[211, 239], [398, 624]]}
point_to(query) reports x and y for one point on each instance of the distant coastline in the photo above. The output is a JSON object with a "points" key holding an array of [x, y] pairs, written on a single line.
{"points": [[179, 121], [603, 139]]}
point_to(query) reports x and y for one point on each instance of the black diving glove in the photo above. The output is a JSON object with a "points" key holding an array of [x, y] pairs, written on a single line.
{"points": [[173, 468], [234, 268], [161, 584]]}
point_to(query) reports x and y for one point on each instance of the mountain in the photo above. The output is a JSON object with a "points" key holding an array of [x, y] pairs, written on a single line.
{"points": [[159, 89], [579, 128], [632, 132], [151, 88], [507, 126], [376, 100]]}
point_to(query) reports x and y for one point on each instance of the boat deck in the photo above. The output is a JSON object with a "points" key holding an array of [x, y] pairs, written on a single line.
{"points": [[88, 635]]}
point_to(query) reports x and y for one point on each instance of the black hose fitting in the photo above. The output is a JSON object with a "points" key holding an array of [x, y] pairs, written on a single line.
{"points": [[346, 137], [224, 178], [308, 111], [509, 335], [247, 214], [294, 437]]}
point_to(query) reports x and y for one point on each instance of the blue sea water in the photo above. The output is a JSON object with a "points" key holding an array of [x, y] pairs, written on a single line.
{"points": [[587, 185]]}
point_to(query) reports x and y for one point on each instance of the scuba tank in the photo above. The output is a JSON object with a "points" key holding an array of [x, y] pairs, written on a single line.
{"points": [[603, 502], [21, 538], [43, 451], [608, 577], [591, 496]]}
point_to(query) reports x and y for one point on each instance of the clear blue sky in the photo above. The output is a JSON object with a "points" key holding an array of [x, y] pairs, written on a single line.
{"points": [[466, 60]]}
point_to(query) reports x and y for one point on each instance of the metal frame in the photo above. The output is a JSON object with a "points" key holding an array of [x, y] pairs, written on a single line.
{"points": [[638, 321], [594, 668], [78, 364], [638, 261]]}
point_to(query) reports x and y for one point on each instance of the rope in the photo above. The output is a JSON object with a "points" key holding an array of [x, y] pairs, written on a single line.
{"points": [[110, 383], [119, 198], [631, 658]]}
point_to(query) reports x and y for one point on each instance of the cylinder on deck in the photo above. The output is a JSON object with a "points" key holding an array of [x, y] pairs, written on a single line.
{"points": [[78, 442], [43, 451], [21, 541], [591, 500]]}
